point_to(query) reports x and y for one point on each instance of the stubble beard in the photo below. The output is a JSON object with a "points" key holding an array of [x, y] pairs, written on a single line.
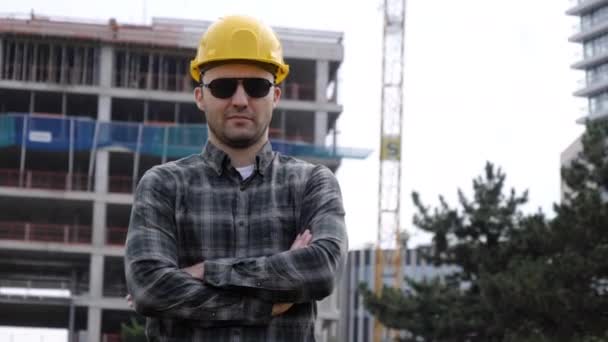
{"points": [[241, 142]]}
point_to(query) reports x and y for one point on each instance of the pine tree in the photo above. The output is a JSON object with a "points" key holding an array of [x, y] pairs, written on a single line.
{"points": [[521, 277]]}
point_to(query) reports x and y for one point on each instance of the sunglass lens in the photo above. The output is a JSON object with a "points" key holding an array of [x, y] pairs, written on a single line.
{"points": [[223, 88], [257, 87]]}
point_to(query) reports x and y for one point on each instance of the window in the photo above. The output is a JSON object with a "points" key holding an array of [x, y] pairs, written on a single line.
{"points": [[366, 336], [597, 74], [596, 46], [593, 18], [598, 103]]}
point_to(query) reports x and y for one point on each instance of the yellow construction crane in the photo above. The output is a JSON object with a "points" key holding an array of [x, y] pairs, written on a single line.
{"points": [[389, 208]]}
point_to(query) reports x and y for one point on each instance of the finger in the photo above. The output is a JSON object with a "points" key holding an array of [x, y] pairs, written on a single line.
{"points": [[307, 237], [296, 242]]}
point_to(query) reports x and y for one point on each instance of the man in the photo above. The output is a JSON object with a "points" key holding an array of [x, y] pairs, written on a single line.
{"points": [[237, 243]]}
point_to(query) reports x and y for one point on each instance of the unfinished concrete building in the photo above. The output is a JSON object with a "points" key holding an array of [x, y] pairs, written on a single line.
{"points": [[85, 109]]}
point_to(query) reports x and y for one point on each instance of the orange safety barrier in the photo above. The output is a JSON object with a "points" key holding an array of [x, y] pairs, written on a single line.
{"points": [[44, 232]]}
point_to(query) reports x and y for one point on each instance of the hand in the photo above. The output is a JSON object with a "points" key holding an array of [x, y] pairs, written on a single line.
{"points": [[197, 270], [280, 308], [129, 300], [301, 241]]}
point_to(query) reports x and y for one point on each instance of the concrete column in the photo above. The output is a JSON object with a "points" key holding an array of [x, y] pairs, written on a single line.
{"points": [[95, 292], [322, 80], [96, 279], [1, 58], [101, 171], [94, 324], [106, 66], [320, 128], [99, 224], [104, 114], [104, 108]]}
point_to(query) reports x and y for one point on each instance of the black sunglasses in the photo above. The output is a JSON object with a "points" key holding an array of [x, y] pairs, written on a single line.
{"points": [[224, 88]]}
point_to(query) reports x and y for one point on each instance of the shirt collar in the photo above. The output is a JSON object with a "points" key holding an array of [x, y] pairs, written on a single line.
{"points": [[219, 160]]}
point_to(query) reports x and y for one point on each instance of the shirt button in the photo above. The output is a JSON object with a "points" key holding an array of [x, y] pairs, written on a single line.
{"points": [[241, 223], [259, 284]]}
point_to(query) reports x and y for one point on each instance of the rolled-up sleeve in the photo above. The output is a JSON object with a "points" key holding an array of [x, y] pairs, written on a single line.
{"points": [[158, 287], [299, 275]]}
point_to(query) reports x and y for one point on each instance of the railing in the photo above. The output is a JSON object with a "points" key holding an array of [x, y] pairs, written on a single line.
{"points": [[10, 177], [115, 290], [158, 81], [182, 83], [42, 232], [51, 180], [111, 338], [116, 236], [55, 75], [120, 184], [298, 91], [152, 140], [47, 287]]}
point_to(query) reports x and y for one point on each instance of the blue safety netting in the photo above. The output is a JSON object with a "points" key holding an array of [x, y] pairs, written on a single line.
{"points": [[62, 133]]}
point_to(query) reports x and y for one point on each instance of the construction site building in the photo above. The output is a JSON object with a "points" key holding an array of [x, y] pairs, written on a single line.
{"points": [[85, 109]]}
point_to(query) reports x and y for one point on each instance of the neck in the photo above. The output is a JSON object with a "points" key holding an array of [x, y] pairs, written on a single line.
{"points": [[240, 157]]}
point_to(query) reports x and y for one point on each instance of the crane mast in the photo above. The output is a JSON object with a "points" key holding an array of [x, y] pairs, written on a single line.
{"points": [[389, 208]]}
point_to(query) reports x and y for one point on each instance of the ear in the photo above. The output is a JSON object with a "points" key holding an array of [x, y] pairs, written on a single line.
{"points": [[198, 97], [276, 96]]}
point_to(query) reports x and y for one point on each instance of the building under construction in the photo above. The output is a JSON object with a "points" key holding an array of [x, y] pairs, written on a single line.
{"points": [[356, 322], [85, 109]]}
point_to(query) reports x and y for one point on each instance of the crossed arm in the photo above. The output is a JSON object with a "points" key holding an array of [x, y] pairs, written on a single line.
{"points": [[197, 271], [243, 291]]}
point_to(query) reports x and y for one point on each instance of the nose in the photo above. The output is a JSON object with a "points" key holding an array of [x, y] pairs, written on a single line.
{"points": [[240, 99]]}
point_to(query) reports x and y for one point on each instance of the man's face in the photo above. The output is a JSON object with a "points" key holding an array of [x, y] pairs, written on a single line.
{"points": [[239, 121]]}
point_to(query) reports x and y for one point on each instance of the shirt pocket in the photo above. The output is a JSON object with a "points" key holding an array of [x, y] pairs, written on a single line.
{"points": [[272, 230]]}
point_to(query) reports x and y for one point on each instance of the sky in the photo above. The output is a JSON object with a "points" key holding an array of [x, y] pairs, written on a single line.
{"points": [[484, 81]]}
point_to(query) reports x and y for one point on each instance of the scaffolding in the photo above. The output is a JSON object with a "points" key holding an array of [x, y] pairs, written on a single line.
{"points": [[50, 133], [58, 62], [151, 70]]}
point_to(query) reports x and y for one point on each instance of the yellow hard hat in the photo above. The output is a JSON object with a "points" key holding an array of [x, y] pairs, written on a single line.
{"points": [[239, 38]]}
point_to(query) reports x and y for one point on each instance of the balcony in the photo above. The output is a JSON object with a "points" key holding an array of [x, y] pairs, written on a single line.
{"points": [[116, 236], [45, 232], [586, 62], [594, 87], [580, 7], [161, 141], [585, 33], [48, 180]]}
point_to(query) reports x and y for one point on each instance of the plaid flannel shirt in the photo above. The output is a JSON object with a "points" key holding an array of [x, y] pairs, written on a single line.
{"points": [[199, 209]]}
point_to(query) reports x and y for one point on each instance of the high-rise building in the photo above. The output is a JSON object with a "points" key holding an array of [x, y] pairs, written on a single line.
{"points": [[591, 32], [85, 109], [356, 323]]}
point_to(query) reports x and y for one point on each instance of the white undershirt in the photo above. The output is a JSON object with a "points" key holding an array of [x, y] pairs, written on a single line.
{"points": [[245, 171]]}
